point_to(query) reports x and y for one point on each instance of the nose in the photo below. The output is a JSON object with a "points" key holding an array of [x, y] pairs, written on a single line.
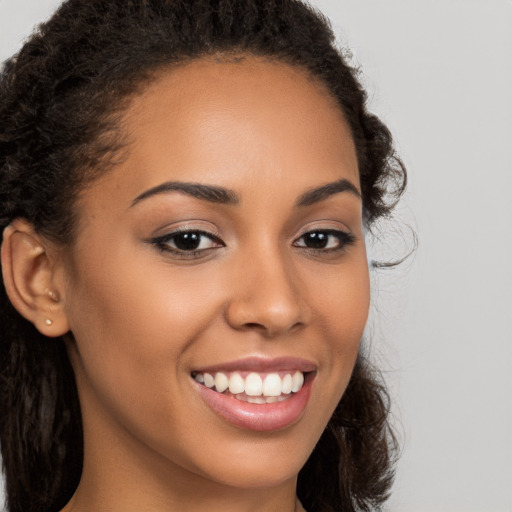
{"points": [[267, 297]]}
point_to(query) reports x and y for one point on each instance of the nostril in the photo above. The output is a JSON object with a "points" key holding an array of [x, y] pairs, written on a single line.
{"points": [[254, 325], [270, 330]]}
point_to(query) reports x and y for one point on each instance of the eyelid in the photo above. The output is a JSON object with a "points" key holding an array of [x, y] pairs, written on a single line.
{"points": [[191, 229], [322, 225], [186, 225]]}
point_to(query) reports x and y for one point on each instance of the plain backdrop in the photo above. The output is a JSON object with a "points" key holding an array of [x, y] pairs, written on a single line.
{"points": [[439, 74]]}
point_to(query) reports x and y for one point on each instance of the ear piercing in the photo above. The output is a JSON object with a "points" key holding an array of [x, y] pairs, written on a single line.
{"points": [[53, 295]]}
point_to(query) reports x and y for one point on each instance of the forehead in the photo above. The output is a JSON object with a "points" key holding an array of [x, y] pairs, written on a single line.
{"points": [[246, 80], [266, 130], [252, 108]]}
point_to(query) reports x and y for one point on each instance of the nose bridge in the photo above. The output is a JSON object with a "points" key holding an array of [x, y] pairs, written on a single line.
{"points": [[267, 295]]}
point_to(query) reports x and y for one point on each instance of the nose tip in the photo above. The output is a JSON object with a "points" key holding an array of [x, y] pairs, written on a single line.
{"points": [[268, 301], [271, 322]]}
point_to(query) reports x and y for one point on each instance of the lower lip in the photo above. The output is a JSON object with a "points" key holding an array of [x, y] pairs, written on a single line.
{"points": [[259, 417]]}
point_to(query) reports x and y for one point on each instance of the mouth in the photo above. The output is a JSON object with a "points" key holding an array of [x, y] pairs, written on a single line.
{"points": [[257, 394], [253, 387]]}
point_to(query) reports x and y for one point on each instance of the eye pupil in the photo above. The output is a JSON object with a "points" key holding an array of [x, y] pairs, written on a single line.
{"points": [[187, 241], [316, 240]]}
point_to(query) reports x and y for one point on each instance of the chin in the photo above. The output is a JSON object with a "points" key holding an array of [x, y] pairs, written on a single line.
{"points": [[269, 473]]}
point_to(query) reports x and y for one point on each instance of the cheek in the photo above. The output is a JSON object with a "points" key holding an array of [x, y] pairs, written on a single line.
{"points": [[343, 302], [133, 328], [132, 336], [342, 309]]}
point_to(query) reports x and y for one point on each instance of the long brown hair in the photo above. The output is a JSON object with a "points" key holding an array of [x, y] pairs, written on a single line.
{"points": [[59, 97]]}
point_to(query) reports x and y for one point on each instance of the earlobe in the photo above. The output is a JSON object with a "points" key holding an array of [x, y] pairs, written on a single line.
{"points": [[28, 274]]}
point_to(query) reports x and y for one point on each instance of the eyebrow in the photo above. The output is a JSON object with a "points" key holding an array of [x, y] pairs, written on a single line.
{"points": [[221, 195], [321, 193], [209, 193]]}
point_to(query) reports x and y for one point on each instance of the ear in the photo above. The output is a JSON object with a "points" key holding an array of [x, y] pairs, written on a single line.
{"points": [[29, 273]]}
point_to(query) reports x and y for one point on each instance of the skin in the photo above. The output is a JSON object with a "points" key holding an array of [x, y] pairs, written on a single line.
{"points": [[144, 318]]}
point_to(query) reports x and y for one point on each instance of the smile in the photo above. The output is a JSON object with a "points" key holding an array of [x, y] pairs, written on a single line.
{"points": [[253, 387], [257, 393]]}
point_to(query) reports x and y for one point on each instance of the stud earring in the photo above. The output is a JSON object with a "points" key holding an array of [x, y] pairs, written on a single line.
{"points": [[48, 321]]}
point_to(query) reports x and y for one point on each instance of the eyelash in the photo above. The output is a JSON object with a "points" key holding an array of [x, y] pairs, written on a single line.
{"points": [[344, 240]]}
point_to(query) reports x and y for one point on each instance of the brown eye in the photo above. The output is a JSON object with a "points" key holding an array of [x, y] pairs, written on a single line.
{"points": [[330, 239], [191, 241], [316, 240]]}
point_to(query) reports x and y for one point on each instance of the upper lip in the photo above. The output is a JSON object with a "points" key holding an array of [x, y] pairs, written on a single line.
{"points": [[261, 364]]}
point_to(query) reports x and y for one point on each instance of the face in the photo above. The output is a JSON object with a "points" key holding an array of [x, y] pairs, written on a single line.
{"points": [[226, 250]]}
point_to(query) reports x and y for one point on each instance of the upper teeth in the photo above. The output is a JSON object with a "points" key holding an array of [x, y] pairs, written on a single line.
{"points": [[254, 384]]}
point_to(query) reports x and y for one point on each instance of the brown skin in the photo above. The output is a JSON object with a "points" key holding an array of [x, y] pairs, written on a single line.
{"points": [[143, 319]]}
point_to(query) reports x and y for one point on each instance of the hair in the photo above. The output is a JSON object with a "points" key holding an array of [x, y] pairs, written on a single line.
{"points": [[61, 99]]}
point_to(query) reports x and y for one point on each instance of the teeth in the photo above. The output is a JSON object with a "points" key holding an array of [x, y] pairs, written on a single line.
{"points": [[272, 385], [208, 380], [287, 384], [297, 381], [253, 385], [221, 382], [255, 388], [236, 384]]}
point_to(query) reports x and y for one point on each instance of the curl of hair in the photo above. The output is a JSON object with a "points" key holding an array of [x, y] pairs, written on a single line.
{"points": [[61, 99]]}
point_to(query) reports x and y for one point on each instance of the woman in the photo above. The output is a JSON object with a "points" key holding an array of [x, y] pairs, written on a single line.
{"points": [[184, 192]]}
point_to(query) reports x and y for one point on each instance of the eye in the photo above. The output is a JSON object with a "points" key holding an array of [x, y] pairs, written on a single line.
{"points": [[325, 240], [187, 242]]}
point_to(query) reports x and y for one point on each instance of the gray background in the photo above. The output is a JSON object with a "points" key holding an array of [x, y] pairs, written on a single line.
{"points": [[439, 73]]}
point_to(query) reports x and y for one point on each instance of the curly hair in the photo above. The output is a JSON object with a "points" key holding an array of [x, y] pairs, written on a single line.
{"points": [[61, 98]]}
